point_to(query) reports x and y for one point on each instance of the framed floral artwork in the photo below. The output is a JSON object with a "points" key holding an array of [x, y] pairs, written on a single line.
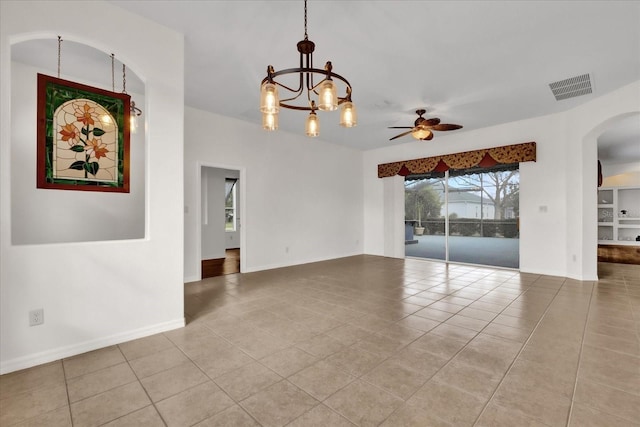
{"points": [[83, 137]]}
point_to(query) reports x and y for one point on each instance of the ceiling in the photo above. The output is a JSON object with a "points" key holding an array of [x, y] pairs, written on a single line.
{"points": [[473, 63], [621, 142]]}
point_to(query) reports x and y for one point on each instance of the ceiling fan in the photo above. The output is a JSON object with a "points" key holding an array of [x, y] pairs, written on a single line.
{"points": [[422, 127]]}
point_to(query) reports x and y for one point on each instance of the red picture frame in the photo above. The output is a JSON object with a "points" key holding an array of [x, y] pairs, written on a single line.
{"points": [[83, 137]]}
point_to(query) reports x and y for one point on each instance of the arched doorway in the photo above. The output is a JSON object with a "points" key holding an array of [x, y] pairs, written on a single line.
{"points": [[590, 196]]}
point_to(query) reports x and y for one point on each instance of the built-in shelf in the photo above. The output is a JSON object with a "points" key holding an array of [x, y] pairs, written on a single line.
{"points": [[619, 216]]}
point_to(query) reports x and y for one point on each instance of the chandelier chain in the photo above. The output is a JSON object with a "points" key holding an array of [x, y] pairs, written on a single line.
{"points": [[113, 75], [59, 53], [124, 79], [306, 37]]}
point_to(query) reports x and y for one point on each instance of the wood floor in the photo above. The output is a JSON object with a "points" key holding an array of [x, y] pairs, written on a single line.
{"points": [[222, 266], [619, 254]]}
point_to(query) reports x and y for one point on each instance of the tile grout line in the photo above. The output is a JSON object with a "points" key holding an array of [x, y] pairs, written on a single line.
{"points": [[137, 379], [440, 322], [320, 402], [584, 333], [463, 347], [524, 345], [66, 389], [582, 346], [143, 388], [361, 377], [211, 379]]}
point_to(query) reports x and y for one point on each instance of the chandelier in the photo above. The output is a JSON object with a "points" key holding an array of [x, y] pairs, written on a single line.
{"points": [[319, 96]]}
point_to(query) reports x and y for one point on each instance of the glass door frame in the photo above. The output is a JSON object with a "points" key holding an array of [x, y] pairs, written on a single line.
{"points": [[447, 220]]}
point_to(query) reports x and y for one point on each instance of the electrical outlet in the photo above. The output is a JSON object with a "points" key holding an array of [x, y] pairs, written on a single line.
{"points": [[36, 317]]}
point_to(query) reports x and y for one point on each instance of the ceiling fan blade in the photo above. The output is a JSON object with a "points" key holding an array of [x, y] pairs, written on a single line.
{"points": [[400, 127], [431, 122], [445, 126], [402, 134]]}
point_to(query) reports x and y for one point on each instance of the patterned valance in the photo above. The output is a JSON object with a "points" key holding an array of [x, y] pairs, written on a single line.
{"points": [[525, 152]]}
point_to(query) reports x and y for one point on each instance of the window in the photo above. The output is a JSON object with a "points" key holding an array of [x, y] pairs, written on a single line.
{"points": [[230, 204]]}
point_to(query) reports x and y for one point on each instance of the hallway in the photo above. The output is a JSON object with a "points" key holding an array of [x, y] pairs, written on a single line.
{"points": [[230, 264]]}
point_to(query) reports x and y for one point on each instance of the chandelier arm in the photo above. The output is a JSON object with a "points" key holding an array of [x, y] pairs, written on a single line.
{"points": [[309, 65], [292, 98], [309, 76], [301, 108], [301, 71], [298, 91], [297, 107]]}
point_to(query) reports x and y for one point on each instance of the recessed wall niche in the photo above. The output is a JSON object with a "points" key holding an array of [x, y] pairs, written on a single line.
{"points": [[40, 216]]}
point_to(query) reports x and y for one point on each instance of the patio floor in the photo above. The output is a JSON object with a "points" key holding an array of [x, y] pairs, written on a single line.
{"points": [[494, 251]]}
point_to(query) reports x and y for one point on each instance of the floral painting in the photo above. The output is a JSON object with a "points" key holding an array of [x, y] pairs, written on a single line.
{"points": [[83, 137]]}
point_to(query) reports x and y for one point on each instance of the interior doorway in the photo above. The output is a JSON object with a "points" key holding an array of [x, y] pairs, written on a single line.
{"points": [[230, 264], [220, 221], [618, 200], [468, 216]]}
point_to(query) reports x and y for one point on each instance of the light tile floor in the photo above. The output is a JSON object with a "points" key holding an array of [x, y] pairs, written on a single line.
{"points": [[362, 341]]}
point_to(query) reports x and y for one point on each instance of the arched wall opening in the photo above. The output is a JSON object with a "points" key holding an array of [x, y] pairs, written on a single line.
{"points": [[590, 185], [43, 216]]}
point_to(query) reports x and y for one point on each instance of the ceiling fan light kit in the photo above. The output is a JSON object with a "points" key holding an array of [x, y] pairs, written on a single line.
{"points": [[422, 128], [420, 133], [325, 91]]}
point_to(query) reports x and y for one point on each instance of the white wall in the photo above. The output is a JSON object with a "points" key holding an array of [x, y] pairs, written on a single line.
{"points": [[96, 293], [301, 198], [555, 225], [71, 216], [583, 126]]}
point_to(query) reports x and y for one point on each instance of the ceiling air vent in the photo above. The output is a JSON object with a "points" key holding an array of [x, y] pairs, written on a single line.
{"points": [[572, 87]]}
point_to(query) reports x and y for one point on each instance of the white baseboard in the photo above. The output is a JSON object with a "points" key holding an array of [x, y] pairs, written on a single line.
{"points": [[189, 279], [583, 278], [31, 360], [297, 262]]}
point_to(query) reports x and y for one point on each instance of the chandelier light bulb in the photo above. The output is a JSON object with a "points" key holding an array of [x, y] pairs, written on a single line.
{"points": [[327, 96], [348, 116], [134, 112], [269, 102], [133, 123], [312, 125], [270, 121]]}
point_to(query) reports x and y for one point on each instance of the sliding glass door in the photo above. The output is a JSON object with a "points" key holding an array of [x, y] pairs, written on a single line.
{"points": [[468, 216], [424, 211]]}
